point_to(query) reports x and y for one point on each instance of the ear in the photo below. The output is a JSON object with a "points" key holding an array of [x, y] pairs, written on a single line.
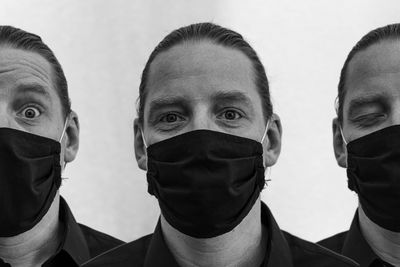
{"points": [[140, 148], [272, 146], [71, 137], [339, 146]]}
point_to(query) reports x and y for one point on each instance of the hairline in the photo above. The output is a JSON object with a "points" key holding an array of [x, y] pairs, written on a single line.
{"points": [[197, 40], [348, 62]]}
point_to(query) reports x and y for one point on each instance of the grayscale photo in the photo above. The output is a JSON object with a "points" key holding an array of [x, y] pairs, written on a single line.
{"points": [[214, 133]]}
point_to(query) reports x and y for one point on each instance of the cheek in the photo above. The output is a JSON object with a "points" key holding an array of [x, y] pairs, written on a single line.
{"points": [[47, 130]]}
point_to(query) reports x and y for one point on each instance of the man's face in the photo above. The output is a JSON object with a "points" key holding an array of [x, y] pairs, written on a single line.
{"points": [[28, 99], [372, 100], [202, 86]]}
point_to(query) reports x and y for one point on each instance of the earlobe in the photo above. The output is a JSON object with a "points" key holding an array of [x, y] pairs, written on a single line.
{"points": [[140, 148], [71, 137], [272, 144], [339, 145]]}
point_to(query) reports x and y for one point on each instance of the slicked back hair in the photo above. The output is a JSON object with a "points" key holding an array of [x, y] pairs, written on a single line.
{"points": [[19, 39], [217, 35], [389, 32]]}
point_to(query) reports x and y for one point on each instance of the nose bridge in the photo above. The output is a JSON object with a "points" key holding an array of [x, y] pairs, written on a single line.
{"points": [[201, 119], [5, 118], [396, 112]]}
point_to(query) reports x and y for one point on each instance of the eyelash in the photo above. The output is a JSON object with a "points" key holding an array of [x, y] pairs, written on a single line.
{"points": [[366, 121]]}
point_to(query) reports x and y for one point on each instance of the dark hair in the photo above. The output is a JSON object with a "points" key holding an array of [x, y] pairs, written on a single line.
{"points": [[217, 35], [20, 39], [389, 32]]}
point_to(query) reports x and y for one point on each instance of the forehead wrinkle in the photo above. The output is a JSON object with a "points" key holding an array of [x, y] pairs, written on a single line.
{"points": [[39, 71], [14, 58]]}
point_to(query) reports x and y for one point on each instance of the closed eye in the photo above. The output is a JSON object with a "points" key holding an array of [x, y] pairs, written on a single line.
{"points": [[368, 120]]}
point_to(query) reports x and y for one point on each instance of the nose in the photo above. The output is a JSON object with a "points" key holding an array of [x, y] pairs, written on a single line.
{"points": [[202, 120], [395, 118], [6, 120]]}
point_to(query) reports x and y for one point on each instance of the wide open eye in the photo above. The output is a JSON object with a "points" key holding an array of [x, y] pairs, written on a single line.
{"points": [[30, 112]]}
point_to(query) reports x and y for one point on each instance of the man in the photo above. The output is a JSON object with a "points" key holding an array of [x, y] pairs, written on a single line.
{"points": [[205, 133], [39, 134], [366, 142]]}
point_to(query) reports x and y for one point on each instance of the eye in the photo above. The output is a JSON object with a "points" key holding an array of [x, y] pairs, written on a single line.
{"points": [[170, 118], [30, 112], [369, 119], [231, 115]]}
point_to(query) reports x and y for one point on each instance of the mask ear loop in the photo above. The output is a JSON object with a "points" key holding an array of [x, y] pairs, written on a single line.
{"points": [[62, 136], [265, 132], [64, 129], [144, 140], [341, 133], [268, 170], [345, 142], [145, 145]]}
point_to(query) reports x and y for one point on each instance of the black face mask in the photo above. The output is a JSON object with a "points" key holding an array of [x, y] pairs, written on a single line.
{"points": [[30, 175], [373, 169], [206, 182]]}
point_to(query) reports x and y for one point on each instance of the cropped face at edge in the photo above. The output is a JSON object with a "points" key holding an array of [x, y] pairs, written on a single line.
{"points": [[373, 90], [29, 102], [202, 85], [372, 99]]}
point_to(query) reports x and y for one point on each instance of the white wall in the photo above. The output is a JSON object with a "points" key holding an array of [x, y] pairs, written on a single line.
{"points": [[103, 46]]}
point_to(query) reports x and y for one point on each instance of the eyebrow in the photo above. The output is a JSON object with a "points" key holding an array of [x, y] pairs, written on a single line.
{"points": [[33, 88], [364, 101], [231, 96], [167, 101]]}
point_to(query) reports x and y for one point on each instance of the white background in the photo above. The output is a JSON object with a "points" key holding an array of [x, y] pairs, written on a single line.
{"points": [[103, 46]]}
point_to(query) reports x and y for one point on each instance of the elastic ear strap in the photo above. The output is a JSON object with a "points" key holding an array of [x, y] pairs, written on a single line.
{"points": [[144, 140], [64, 129], [341, 132], [265, 132]]}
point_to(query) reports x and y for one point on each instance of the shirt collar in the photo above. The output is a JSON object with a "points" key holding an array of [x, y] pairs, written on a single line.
{"points": [[277, 254], [74, 242], [356, 247], [278, 250]]}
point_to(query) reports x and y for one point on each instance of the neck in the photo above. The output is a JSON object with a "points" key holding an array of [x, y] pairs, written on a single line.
{"points": [[35, 246], [384, 243], [245, 245]]}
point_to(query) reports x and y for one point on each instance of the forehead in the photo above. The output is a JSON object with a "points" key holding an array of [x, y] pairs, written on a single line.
{"points": [[375, 69], [20, 66], [379, 59], [201, 67]]}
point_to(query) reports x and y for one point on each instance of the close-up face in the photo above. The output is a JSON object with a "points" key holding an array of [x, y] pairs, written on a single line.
{"points": [[28, 99], [202, 85], [372, 99]]}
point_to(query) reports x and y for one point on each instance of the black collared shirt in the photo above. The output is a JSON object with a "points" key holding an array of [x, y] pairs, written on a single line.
{"points": [[353, 245], [80, 242], [283, 249]]}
